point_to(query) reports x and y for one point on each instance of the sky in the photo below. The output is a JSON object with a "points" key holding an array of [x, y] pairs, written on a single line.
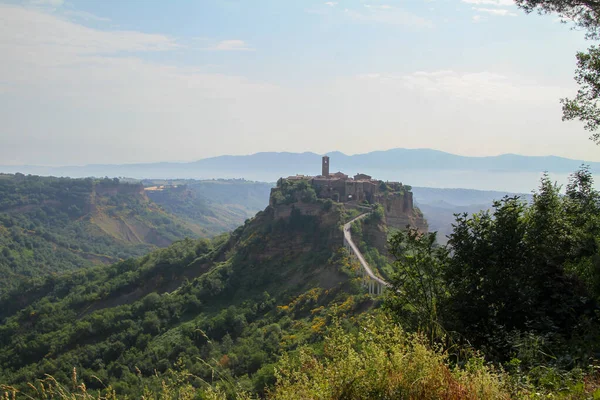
{"points": [[115, 81]]}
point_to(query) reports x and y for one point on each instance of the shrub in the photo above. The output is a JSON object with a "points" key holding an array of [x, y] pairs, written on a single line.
{"points": [[381, 361]]}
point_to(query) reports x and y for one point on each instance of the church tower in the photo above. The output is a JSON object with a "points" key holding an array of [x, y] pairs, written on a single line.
{"points": [[325, 166]]}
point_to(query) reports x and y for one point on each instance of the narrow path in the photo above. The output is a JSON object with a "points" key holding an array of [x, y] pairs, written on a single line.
{"points": [[348, 241]]}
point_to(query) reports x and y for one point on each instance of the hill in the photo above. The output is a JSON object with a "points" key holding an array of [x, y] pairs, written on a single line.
{"points": [[239, 299], [279, 304], [50, 225], [439, 206], [216, 205], [422, 167]]}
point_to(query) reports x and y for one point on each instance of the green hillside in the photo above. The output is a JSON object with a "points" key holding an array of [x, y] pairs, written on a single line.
{"points": [[234, 303], [49, 225], [277, 309], [215, 205]]}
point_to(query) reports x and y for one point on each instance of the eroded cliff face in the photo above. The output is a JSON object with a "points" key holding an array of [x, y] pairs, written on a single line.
{"points": [[400, 212], [376, 235]]}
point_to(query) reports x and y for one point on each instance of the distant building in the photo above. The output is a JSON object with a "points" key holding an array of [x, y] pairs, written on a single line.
{"points": [[325, 166], [362, 177], [396, 199], [342, 188]]}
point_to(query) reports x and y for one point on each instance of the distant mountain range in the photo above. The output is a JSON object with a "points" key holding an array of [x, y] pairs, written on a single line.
{"points": [[423, 167]]}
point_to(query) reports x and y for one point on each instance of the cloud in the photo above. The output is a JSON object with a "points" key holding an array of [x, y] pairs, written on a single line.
{"points": [[379, 6], [51, 3], [29, 35], [498, 3], [231, 45], [331, 3], [95, 87], [476, 87], [84, 15], [479, 18], [70, 94], [495, 11], [385, 14]]}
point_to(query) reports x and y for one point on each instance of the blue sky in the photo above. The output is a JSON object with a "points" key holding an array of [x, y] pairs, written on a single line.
{"points": [[141, 81]]}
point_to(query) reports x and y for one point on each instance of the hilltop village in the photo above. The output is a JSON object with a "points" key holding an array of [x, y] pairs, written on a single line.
{"points": [[396, 198]]}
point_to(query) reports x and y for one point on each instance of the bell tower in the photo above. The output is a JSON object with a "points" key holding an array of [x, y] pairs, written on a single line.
{"points": [[325, 166]]}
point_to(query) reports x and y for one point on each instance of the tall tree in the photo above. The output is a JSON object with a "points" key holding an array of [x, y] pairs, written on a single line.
{"points": [[418, 290], [585, 14]]}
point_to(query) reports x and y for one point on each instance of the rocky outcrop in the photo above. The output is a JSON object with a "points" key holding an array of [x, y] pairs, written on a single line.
{"points": [[400, 212]]}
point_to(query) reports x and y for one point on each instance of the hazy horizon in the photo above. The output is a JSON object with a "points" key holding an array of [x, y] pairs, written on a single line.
{"points": [[181, 161], [113, 83], [424, 167]]}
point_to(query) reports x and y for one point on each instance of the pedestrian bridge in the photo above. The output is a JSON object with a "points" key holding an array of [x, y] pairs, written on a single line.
{"points": [[375, 284]]}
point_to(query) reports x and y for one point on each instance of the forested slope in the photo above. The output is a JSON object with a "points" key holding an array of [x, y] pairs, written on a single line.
{"points": [[215, 205], [49, 225], [239, 299]]}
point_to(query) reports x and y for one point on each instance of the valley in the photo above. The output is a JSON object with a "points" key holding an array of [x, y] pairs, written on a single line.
{"points": [[298, 200], [326, 255], [51, 225]]}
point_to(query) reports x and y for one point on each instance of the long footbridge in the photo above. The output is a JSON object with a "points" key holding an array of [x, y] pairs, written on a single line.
{"points": [[375, 284]]}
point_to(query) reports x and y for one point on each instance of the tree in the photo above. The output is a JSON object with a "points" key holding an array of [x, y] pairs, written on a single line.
{"points": [[418, 288], [521, 270], [585, 14], [584, 106]]}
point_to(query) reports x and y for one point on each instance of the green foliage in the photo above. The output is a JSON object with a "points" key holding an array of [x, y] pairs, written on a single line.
{"points": [[212, 319], [384, 187], [418, 291], [50, 225], [364, 234], [377, 215], [521, 259], [213, 206], [584, 106], [210, 305], [292, 191], [586, 16], [519, 283], [380, 361]]}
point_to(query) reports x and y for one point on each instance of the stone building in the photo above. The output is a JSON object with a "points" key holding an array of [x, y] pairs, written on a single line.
{"points": [[396, 199], [342, 188]]}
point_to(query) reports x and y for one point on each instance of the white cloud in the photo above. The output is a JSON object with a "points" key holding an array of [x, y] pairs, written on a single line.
{"points": [[495, 11], [49, 39], [231, 45], [75, 95], [472, 87], [51, 3], [379, 6], [385, 14], [479, 18], [93, 87], [331, 3], [498, 3], [84, 15]]}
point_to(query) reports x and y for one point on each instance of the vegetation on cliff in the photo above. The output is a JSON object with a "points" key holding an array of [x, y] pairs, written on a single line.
{"points": [[520, 284], [276, 309], [214, 205], [49, 225], [203, 305]]}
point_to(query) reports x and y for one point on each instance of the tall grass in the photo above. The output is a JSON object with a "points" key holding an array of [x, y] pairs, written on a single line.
{"points": [[380, 361]]}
